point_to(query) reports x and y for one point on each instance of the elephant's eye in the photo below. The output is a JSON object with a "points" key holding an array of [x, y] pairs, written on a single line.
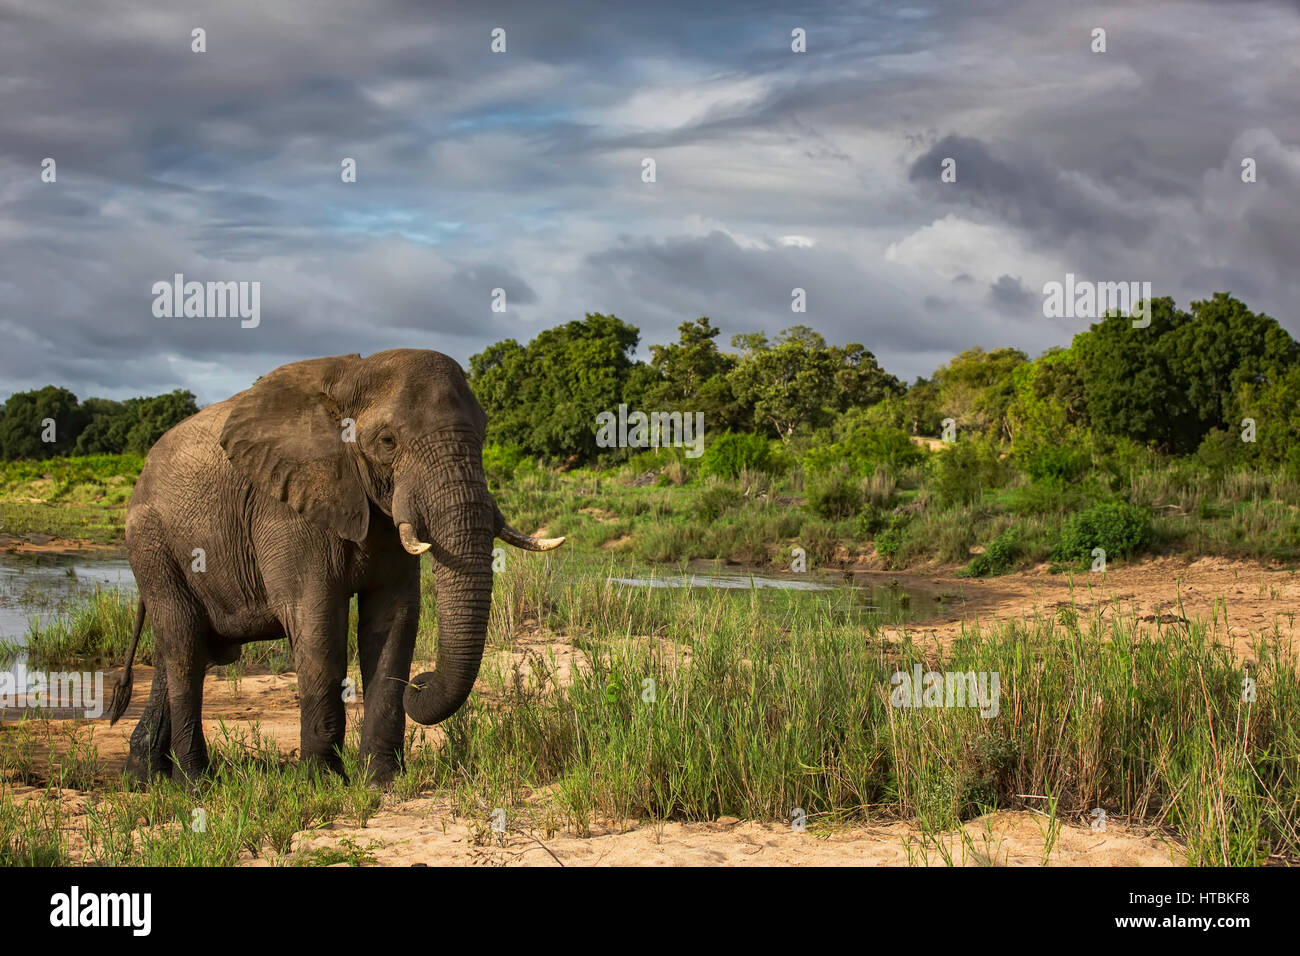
{"points": [[387, 440]]}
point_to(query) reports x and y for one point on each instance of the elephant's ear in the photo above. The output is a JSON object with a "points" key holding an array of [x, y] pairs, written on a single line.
{"points": [[285, 435]]}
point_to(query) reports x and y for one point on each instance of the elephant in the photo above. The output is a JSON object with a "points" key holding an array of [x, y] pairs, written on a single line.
{"points": [[261, 516]]}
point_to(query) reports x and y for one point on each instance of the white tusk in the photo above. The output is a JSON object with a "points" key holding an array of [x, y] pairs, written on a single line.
{"points": [[526, 541], [409, 541]]}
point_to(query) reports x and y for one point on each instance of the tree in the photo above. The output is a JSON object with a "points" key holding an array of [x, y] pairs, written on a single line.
{"points": [[801, 379], [976, 388], [1131, 387], [788, 383], [27, 418], [544, 397], [691, 375]]}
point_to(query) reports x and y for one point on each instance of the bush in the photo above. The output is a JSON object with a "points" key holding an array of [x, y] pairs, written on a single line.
{"points": [[500, 462], [871, 521], [965, 470], [866, 450], [890, 541], [713, 502], [836, 497], [733, 452], [1057, 463], [998, 558], [1116, 527]]}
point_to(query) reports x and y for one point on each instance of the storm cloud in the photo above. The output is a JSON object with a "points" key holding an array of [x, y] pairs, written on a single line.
{"points": [[523, 171]]}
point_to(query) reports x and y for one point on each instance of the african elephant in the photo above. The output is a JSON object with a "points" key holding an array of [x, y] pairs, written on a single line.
{"points": [[260, 517]]}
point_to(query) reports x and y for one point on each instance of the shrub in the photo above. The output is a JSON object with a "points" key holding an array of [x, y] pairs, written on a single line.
{"points": [[1057, 463], [965, 470], [1116, 527], [890, 541], [835, 497], [500, 461], [865, 451], [998, 558], [732, 452], [713, 502]]}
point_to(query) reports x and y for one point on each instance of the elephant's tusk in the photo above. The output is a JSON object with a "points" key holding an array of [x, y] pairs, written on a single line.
{"points": [[526, 541], [409, 541]]}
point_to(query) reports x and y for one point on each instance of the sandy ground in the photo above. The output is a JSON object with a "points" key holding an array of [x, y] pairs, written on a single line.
{"points": [[1249, 598], [426, 831], [44, 544]]}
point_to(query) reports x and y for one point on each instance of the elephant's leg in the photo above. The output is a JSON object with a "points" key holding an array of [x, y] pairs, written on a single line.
{"points": [[388, 618], [151, 741], [320, 648], [182, 633]]}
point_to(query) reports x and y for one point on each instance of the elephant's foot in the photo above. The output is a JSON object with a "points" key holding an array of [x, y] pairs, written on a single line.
{"points": [[381, 768], [328, 762], [151, 741]]}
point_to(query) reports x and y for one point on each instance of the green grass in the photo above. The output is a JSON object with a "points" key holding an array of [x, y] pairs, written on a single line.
{"points": [[78, 498], [763, 702], [758, 518]]}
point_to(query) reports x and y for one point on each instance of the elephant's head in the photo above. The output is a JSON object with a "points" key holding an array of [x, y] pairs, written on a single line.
{"points": [[400, 430]]}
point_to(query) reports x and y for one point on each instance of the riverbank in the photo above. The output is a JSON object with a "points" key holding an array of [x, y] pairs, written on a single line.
{"points": [[1120, 695]]}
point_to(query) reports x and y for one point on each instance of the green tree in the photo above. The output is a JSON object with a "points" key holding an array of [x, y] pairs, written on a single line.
{"points": [[544, 397], [26, 421], [800, 379], [976, 389]]}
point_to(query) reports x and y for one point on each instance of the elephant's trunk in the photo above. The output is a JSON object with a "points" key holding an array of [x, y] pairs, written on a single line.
{"points": [[449, 505], [461, 528], [464, 599]]}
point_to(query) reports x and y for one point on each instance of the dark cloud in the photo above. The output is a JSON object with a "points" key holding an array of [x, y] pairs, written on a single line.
{"points": [[1007, 293], [522, 171]]}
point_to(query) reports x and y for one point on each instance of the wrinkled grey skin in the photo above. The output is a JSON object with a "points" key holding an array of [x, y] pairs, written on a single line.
{"points": [[293, 520]]}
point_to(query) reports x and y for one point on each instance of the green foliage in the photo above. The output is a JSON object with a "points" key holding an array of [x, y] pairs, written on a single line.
{"points": [[544, 397], [733, 452], [835, 496], [976, 388], [501, 461], [715, 501], [1117, 527], [890, 541], [1060, 462], [965, 470], [1174, 381], [863, 451], [998, 558], [799, 379], [96, 426]]}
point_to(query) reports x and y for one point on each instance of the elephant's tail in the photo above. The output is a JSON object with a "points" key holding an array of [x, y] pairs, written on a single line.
{"points": [[122, 692]]}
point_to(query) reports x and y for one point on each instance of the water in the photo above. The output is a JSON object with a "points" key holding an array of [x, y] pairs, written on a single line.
{"points": [[41, 586], [859, 600]]}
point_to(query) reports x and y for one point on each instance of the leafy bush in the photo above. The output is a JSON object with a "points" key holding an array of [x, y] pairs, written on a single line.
{"points": [[864, 451], [1057, 463], [500, 461], [838, 496], [713, 502], [871, 521], [998, 558], [965, 470], [733, 452], [1117, 527], [890, 541]]}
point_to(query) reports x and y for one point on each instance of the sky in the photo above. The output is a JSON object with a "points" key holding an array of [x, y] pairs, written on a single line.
{"points": [[523, 171]]}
